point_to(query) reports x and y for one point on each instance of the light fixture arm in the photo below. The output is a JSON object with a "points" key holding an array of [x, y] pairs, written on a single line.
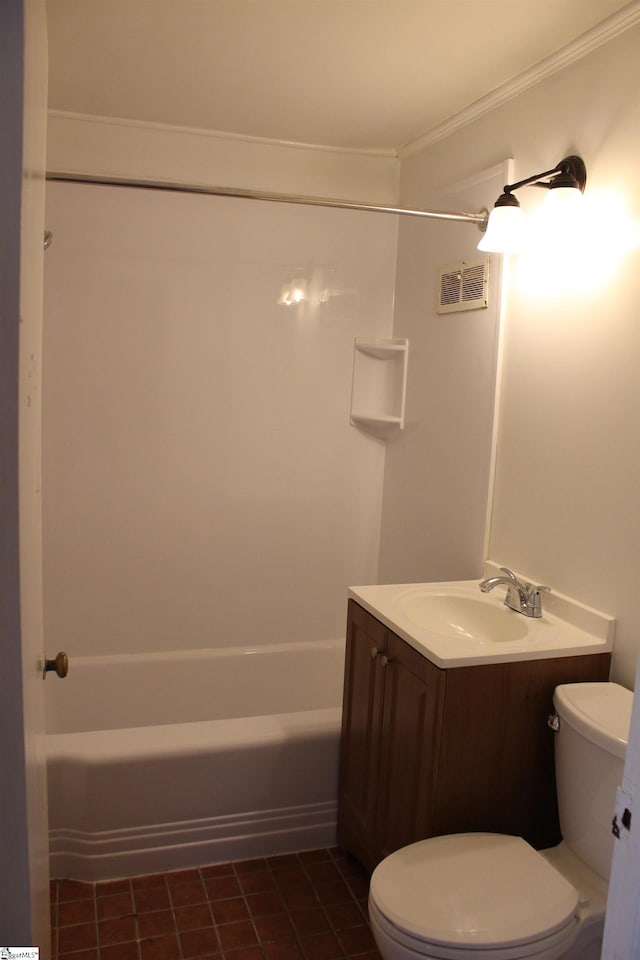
{"points": [[535, 179], [572, 170]]}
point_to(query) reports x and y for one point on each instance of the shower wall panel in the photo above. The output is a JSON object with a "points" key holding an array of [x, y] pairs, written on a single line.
{"points": [[202, 485]]}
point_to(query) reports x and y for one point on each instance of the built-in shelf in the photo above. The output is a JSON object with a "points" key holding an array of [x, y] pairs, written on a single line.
{"points": [[364, 421], [379, 383], [382, 349]]}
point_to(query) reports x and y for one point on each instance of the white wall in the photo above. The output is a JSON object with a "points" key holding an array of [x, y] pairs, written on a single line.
{"points": [[101, 145], [564, 510], [437, 471], [566, 507], [202, 484]]}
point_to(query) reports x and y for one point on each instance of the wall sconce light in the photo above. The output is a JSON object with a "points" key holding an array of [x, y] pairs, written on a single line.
{"points": [[294, 291], [505, 230]]}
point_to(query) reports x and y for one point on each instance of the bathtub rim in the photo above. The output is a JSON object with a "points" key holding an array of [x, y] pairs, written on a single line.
{"points": [[202, 653]]}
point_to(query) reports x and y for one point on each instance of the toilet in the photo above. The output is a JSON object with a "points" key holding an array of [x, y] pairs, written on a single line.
{"points": [[486, 896]]}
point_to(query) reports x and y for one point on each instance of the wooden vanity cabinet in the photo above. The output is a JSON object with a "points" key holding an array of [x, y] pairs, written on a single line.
{"points": [[391, 721], [427, 751]]}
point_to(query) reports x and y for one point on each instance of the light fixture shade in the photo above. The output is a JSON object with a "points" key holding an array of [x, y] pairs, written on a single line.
{"points": [[563, 202], [504, 233], [562, 222]]}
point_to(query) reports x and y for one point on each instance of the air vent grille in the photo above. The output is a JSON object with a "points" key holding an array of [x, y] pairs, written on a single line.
{"points": [[464, 286]]}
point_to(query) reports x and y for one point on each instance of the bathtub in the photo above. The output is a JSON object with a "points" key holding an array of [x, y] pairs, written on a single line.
{"points": [[170, 760]]}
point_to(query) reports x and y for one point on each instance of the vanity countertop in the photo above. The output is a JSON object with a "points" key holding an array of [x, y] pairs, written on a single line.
{"points": [[454, 624]]}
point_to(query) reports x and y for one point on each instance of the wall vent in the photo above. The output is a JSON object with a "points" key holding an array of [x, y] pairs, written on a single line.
{"points": [[464, 286]]}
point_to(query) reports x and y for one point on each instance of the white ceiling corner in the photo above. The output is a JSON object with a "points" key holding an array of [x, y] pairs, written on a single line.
{"points": [[370, 75]]}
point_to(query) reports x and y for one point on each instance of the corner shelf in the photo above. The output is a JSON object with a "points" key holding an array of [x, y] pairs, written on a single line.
{"points": [[379, 383]]}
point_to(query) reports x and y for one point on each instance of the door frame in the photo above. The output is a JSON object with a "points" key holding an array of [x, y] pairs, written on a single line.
{"points": [[24, 912]]}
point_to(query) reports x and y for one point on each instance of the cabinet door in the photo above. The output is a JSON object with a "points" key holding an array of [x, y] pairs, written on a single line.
{"points": [[497, 762], [411, 733], [361, 734]]}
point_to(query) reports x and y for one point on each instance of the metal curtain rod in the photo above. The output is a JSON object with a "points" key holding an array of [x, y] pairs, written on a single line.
{"points": [[479, 218]]}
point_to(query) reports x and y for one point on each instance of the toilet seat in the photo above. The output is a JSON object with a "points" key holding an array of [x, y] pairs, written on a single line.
{"points": [[489, 895], [405, 947]]}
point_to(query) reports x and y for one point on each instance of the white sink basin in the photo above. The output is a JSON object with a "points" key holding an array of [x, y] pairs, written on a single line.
{"points": [[459, 616], [454, 624]]}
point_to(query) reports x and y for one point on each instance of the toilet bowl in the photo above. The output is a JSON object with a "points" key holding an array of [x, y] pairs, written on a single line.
{"points": [[486, 896]]}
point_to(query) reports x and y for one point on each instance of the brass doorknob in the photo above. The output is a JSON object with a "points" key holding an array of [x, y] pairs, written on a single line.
{"points": [[60, 664]]}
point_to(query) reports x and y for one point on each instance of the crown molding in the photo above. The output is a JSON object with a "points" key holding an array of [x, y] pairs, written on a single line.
{"points": [[219, 135], [610, 28]]}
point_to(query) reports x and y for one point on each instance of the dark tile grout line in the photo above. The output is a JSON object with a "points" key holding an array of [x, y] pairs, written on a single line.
{"points": [[243, 895], [348, 871]]}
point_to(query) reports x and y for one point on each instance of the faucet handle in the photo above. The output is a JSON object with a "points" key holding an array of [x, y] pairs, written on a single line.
{"points": [[533, 589], [510, 574], [533, 598]]}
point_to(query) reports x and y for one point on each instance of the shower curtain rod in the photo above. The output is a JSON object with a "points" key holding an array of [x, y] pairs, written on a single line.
{"points": [[478, 218]]}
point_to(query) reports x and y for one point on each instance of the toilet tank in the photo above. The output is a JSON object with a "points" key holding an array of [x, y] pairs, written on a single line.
{"points": [[590, 746]]}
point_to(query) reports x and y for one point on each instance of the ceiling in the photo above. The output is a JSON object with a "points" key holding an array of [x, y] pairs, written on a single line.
{"points": [[363, 74]]}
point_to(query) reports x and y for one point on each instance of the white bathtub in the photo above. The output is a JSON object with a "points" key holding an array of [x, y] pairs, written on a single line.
{"points": [[170, 760]]}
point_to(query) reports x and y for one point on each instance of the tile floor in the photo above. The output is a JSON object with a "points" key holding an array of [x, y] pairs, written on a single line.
{"points": [[306, 906]]}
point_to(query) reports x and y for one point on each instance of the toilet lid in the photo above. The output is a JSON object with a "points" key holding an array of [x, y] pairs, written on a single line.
{"points": [[476, 889]]}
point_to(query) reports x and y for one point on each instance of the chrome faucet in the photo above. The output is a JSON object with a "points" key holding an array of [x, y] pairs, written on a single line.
{"points": [[522, 597]]}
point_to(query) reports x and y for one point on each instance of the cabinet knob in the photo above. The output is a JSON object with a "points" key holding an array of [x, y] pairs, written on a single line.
{"points": [[384, 661], [374, 652]]}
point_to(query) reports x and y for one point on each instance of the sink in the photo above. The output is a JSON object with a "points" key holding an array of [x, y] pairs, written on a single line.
{"points": [[459, 616], [454, 624]]}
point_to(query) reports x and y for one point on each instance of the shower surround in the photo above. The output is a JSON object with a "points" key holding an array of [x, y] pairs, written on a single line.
{"points": [[206, 504]]}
